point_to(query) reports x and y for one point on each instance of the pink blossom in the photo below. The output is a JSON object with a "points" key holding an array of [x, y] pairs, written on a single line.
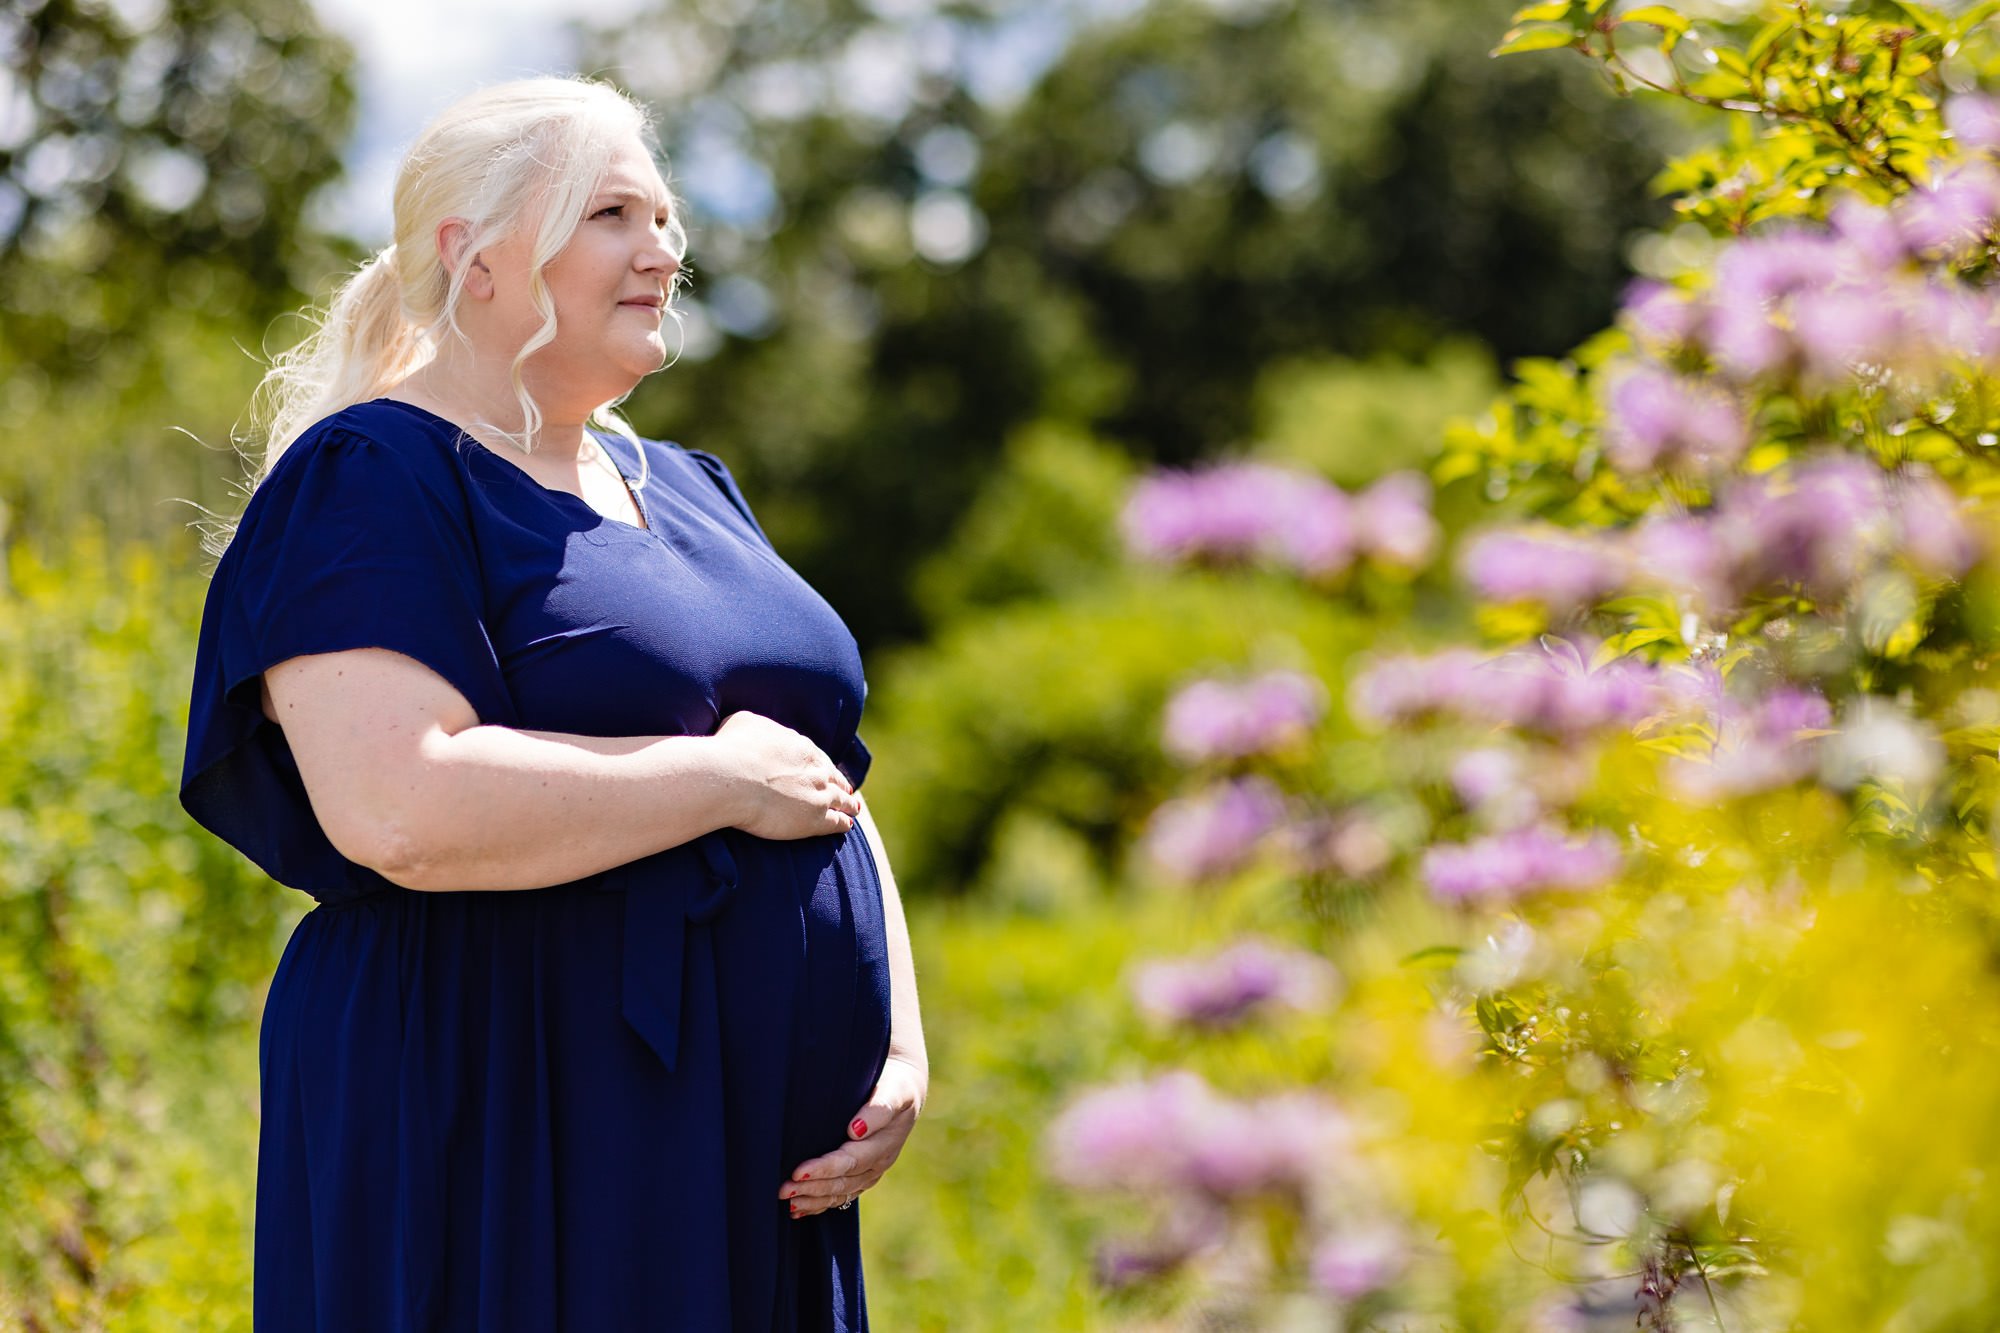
{"points": [[1357, 1260], [1481, 777], [1213, 719], [1553, 690], [1958, 321], [1534, 688], [1871, 232], [1405, 689], [1188, 1230], [1505, 865], [1759, 746], [1816, 525], [1827, 299], [1663, 420], [1786, 711], [1352, 844], [1216, 831], [1176, 1134], [1952, 214], [1762, 269], [1393, 522], [1560, 569], [1221, 990], [1840, 328], [1744, 341], [1934, 532], [1683, 554], [1242, 511], [1661, 313], [1974, 120]]}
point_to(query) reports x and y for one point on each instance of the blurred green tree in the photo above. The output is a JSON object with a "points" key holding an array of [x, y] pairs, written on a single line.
{"points": [[917, 229], [157, 159]]}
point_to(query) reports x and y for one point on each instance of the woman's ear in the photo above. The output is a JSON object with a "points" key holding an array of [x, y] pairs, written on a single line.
{"points": [[475, 279]]}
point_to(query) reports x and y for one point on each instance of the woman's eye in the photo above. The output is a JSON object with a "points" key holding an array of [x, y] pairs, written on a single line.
{"points": [[613, 211]]}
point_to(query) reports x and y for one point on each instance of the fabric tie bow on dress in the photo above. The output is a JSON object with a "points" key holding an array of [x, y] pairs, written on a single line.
{"points": [[656, 917]]}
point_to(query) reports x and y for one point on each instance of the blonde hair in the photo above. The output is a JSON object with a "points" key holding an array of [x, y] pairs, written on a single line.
{"points": [[492, 158]]}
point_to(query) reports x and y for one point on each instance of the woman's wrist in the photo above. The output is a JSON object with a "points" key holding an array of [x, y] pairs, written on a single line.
{"points": [[917, 1069]]}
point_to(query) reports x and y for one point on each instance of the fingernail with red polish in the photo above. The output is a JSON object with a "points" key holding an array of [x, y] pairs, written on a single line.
{"points": [[859, 1128]]}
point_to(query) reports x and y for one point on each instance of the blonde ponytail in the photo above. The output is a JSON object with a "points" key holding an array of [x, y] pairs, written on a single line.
{"points": [[526, 152], [366, 343]]}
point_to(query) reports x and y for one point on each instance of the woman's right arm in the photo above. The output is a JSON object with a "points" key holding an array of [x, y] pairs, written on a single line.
{"points": [[406, 781]]}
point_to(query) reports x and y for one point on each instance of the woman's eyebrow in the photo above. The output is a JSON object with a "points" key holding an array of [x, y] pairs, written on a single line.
{"points": [[624, 195]]}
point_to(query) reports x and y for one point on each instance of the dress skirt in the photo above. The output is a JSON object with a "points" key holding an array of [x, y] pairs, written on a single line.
{"points": [[464, 1134]]}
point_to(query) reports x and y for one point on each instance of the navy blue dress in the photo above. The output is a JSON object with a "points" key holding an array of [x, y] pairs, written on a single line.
{"points": [[569, 1109]]}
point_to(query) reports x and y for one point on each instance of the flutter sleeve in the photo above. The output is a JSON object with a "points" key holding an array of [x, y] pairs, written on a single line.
{"points": [[351, 542]]}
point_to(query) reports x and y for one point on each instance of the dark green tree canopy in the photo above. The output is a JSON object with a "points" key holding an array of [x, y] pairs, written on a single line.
{"points": [[155, 153], [917, 230]]}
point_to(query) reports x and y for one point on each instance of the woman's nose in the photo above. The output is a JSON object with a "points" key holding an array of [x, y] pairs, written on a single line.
{"points": [[659, 258]]}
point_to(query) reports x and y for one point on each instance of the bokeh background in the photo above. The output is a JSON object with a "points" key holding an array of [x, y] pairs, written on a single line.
{"points": [[960, 271]]}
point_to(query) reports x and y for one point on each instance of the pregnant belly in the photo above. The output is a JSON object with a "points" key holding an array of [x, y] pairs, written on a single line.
{"points": [[802, 968]]}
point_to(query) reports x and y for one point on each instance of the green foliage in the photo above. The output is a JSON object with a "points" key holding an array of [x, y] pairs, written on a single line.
{"points": [[1047, 711], [133, 951], [1041, 527], [1742, 1077], [1188, 195], [154, 182], [1355, 422], [1832, 96], [968, 1233]]}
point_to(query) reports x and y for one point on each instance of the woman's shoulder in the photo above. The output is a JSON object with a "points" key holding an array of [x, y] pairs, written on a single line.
{"points": [[703, 470], [380, 433], [381, 462]]}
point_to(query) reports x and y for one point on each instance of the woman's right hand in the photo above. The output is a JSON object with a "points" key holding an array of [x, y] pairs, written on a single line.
{"points": [[790, 789]]}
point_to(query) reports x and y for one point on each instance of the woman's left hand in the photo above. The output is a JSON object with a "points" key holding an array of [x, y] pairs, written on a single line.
{"points": [[875, 1137]]}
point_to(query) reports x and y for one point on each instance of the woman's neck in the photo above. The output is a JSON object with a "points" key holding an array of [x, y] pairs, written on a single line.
{"points": [[477, 394]]}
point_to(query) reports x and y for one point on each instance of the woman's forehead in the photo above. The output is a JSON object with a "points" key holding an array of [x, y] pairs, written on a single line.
{"points": [[633, 172]]}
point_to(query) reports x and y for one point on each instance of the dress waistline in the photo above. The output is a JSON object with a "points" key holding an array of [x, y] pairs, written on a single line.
{"points": [[658, 909]]}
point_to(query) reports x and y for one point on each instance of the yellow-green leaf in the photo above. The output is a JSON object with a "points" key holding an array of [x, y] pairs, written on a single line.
{"points": [[1659, 16], [1618, 645], [1763, 40], [1534, 39], [1543, 13]]}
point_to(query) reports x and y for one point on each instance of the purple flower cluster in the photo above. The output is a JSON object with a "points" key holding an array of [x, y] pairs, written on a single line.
{"points": [[1253, 511], [1549, 689], [1175, 1134], [1506, 865], [1223, 989], [1213, 719], [1393, 523], [1759, 746], [1974, 121], [1216, 831], [1661, 420], [1819, 525], [1359, 1259], [1821, 303], [1560, 569], [1494, 783]]}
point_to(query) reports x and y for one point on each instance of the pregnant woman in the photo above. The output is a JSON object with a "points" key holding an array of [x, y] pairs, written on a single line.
{"points": [[606, 1013]]}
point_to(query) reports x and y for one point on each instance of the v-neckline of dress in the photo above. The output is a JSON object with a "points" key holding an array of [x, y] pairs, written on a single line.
{"points": [[645, 523]]}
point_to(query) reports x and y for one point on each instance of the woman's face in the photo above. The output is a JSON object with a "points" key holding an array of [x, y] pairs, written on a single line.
{"points": [[609, 285]]}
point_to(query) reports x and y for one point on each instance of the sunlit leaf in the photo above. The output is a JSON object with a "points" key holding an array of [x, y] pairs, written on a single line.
{"points": [[1534, 39]]}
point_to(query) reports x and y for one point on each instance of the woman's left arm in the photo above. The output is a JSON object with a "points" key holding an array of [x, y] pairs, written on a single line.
{"points": [[876, 1133]]}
